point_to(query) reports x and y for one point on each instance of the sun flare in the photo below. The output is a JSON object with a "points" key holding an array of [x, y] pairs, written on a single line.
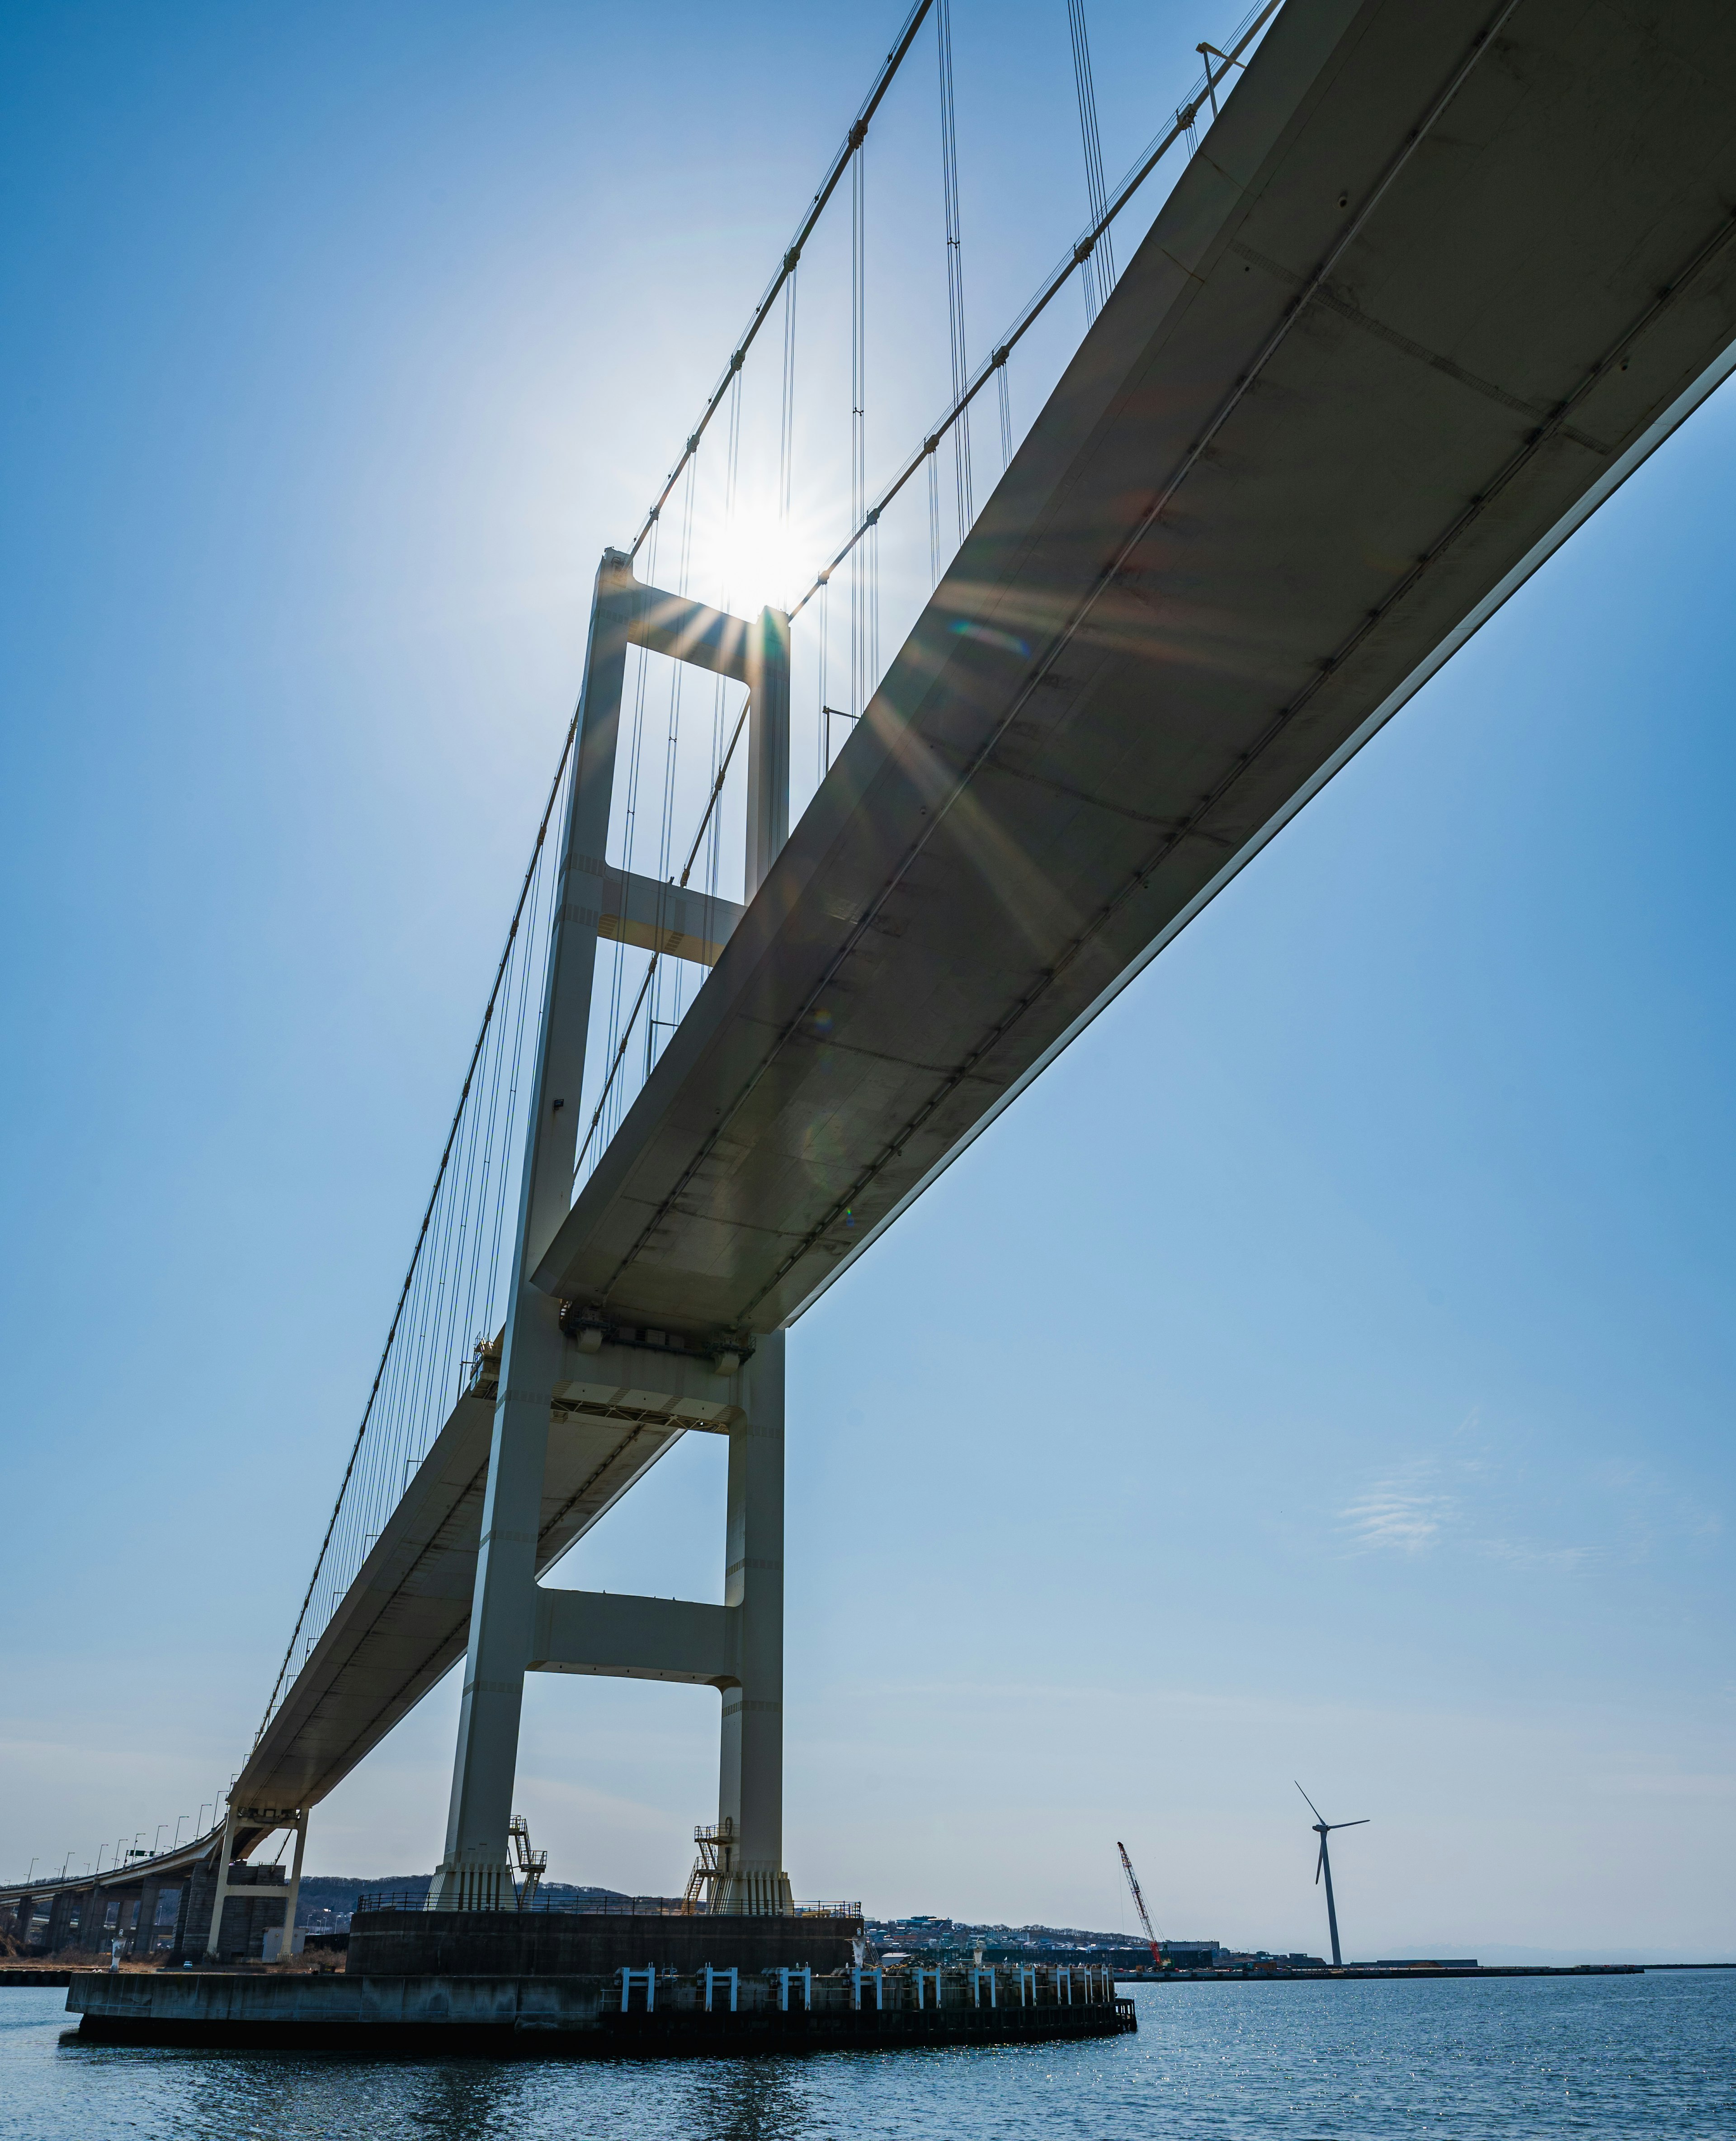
{"points": [[762, 558]]}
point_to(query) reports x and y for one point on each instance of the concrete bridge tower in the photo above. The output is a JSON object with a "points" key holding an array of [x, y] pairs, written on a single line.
{"points": [[516, 1624]]}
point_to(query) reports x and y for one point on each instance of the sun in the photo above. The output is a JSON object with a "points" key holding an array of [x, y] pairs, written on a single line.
{"points": [[760, 557]]}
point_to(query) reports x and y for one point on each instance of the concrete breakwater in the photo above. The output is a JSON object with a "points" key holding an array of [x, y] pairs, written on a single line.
{"points": [[648, 2013]]}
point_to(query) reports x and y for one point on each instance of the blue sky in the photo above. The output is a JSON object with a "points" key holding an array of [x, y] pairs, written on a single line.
{"points": [[1325, 1372]]}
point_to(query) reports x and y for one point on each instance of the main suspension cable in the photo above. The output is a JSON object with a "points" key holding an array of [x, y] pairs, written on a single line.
{"points": [[1049, 290], [793, 253], [440, 1176]]}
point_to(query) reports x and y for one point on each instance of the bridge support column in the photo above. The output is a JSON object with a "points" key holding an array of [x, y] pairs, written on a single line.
{"points": [[60, 1907], [220, 1895], [295, 1882], [750, 1780], [145, 1925]]}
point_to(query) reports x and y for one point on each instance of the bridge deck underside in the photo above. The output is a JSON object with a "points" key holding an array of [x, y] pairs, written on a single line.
{"points": [[1103, 710], [1026, 809]]}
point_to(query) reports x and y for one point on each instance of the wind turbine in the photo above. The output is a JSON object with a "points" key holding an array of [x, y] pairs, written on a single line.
{"points": [[1323, 1829]]}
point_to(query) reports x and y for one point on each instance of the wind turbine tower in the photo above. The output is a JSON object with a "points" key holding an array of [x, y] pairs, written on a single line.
{"points": [[1323, 1829]]}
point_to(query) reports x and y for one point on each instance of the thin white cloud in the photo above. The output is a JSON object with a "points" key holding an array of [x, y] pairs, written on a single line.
{"points": [[1476, 1500], [1406, 1515]]}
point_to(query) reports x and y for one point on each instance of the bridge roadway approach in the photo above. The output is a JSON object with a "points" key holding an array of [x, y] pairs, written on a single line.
{"points": [[1435, 282]]}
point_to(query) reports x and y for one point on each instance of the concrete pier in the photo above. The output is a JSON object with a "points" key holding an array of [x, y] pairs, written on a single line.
{"points": [[632, 2013]]}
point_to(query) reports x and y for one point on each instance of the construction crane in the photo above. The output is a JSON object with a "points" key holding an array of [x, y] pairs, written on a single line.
{"points": [[1132, 1881]]}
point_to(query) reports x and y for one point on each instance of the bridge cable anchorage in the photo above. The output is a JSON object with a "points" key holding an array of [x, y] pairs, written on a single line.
{"points": [[1098, 259], [501, 976], [1050, 288], [1041, 669], [954, 265], [1208, 52], [793, 253]]}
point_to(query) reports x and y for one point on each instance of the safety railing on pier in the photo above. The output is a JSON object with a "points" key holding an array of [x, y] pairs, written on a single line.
{"points": [[415, 1896]]}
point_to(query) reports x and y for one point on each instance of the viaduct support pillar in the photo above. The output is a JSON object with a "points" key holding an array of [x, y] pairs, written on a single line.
{"points": [[60, 1907], [145, 1925], [220, 1896], [295, 1884]]}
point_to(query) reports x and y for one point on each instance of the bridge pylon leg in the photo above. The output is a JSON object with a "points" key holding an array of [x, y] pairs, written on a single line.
{"points": [[751, 1782], [475, 1873]]}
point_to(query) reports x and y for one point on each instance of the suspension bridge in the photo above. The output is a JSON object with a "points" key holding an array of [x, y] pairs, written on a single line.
{"points": [[1425, 287]]}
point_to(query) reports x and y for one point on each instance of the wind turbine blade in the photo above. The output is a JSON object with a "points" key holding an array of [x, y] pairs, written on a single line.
{"points": [[1363, 1823], [1312, 1808], [1319, 1861]]}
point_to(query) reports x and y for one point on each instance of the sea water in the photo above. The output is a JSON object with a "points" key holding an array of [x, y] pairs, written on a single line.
{"points": [[1533, 2057]]}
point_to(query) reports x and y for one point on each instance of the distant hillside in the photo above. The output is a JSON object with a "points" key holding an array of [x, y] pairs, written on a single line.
{"points": [[327, 1899]]}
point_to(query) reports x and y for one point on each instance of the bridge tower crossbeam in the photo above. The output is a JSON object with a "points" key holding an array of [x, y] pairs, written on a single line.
{"points": [[518, 1626]]}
